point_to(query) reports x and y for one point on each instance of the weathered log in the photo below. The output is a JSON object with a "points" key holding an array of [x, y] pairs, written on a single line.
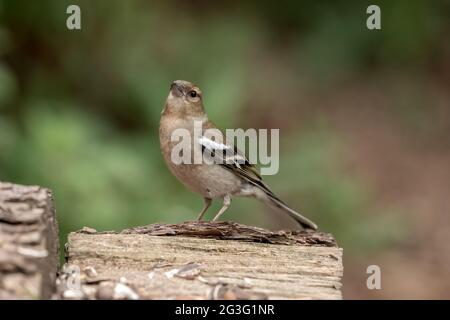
{"points": [[203, 260], [28, 242]]}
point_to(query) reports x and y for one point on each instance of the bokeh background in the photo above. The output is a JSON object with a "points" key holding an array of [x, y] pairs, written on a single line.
{"points": [[364, 118]]}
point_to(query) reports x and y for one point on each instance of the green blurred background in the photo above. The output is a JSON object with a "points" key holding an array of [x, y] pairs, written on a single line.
{"points": [[364, 118]]}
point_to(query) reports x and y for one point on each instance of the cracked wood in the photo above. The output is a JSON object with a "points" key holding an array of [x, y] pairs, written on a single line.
{"points": [[28, 242], [208, 260]]}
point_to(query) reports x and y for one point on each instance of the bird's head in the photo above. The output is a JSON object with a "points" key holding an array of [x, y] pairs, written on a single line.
{"points": [[184, 98]]}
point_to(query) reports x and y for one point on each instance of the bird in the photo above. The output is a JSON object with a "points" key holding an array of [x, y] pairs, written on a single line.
{"points": [[233, 177]]}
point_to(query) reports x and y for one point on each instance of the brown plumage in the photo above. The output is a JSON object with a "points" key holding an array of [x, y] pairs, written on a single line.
{"points": [[239, 178]]}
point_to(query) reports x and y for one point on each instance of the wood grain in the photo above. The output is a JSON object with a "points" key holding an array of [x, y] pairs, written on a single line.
{"points": [[28, 242], [206, 260]]}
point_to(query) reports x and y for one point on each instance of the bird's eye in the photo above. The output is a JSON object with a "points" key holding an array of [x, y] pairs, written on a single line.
{"points": [[193, 94]]}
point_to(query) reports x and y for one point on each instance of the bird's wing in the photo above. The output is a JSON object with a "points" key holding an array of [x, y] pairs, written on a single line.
{"points": [[232, 159]]}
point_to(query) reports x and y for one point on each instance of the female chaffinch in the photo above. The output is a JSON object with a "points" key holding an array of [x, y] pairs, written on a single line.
{"points": [[234, 176]]}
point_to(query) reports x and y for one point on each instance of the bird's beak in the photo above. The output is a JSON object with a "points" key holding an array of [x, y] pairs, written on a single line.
{"points": [[176, 89]]}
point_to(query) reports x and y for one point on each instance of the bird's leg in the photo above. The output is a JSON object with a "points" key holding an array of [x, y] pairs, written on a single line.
{"points": [[207, 204], [226, 204]]}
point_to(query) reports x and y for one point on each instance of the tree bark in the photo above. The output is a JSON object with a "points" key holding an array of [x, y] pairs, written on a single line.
{"points": [[28, 242], [203, 260]]}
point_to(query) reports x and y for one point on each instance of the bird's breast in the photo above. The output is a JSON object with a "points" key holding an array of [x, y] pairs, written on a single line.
{"points": [[210, 180]]}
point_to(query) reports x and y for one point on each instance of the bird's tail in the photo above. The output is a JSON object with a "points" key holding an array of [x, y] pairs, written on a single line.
{"points": [[272, 200]]}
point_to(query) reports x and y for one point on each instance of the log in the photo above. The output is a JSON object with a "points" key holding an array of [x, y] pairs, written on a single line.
{"points": [[28, 242], [202, 260]]}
